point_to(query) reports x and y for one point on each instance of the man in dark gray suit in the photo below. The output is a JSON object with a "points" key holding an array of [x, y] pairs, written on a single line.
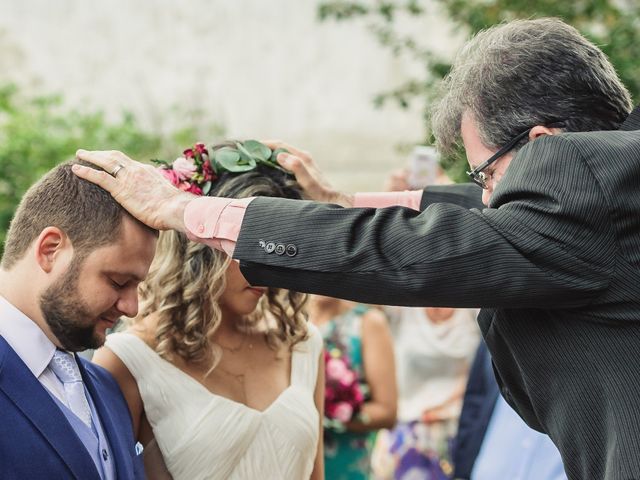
{"points": [[554, 259]]}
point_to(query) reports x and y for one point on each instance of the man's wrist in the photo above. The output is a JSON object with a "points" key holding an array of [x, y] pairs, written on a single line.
{"points": [[343, 199], [177, 206]]}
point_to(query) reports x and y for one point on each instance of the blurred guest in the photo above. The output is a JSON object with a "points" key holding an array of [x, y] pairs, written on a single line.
{"points": [[434, 347], [359, 348], [493, 441]]}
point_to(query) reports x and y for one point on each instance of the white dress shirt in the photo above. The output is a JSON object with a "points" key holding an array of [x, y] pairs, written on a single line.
{"points": [[32, 346]]}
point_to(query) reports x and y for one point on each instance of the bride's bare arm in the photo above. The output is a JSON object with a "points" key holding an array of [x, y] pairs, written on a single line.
{"points": [[111, 362], [318, 467]]}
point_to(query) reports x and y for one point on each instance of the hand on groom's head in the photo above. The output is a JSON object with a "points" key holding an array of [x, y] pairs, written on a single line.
{"points": [[139, 188]]}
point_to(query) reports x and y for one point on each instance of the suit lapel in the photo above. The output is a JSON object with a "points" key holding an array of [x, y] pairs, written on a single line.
{"points": [[633, 120], [35, 403], [122, 454]]}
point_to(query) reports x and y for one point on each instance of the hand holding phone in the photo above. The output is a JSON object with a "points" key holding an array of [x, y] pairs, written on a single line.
{"points": [[423, 167]]}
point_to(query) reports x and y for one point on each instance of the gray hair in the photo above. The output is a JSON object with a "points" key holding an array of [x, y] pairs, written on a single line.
{"points": [[514, 76]]}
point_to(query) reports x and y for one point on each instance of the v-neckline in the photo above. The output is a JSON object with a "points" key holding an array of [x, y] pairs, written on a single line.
{"points": [[198, 384]]}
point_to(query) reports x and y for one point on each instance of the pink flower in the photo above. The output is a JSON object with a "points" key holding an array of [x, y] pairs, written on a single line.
{"points": [[184, 167], [329, 394], [347, 378], [188, 153], [196, 190], [190, 187], [200, 148], [358, 396], [335, 369], [170, 175], [207, 171], [343, 412]]}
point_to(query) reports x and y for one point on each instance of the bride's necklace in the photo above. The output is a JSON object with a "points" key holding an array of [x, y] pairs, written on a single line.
{"points": [[238, 347], [243, 330], [238, 379]]}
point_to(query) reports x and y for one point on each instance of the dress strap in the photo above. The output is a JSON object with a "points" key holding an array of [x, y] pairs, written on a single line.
{"points": [[305, 359]]}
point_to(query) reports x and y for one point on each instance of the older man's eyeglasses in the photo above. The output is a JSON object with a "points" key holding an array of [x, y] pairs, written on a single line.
{"points": [[478, 175]]}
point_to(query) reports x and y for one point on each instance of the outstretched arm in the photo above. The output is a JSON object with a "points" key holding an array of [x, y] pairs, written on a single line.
{"points": [[534, 247], [141, 190]]}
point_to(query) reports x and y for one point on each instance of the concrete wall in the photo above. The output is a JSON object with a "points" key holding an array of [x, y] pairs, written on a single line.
{"points": [[263, 69]]}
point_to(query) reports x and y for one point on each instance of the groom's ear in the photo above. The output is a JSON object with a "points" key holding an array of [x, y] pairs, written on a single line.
{"points": [[52, 247]]}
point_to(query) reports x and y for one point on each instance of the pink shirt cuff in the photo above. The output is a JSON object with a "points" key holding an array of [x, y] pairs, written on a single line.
{"points": [[215, 221], [409, 199]]}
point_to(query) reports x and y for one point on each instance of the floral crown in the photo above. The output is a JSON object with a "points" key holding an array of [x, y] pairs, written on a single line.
{"points": [[197, 170]]}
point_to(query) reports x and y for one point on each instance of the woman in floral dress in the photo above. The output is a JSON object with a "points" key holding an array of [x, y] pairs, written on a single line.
{"points": [[358, 343]]}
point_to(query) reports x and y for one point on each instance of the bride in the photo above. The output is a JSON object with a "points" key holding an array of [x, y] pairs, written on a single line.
{"points": [[223, 379]]}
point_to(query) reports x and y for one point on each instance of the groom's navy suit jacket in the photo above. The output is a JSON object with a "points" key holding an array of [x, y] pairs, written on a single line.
{"points": [[37, 441]]}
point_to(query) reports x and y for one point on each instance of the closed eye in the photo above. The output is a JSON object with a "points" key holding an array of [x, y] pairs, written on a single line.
{"points": [[117, 285]]}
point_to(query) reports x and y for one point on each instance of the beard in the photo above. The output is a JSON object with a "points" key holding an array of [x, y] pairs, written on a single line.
{"points": [[68, 317]]}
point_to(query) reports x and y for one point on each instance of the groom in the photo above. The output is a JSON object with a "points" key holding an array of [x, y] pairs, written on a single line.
{"points": [[72, 262]]}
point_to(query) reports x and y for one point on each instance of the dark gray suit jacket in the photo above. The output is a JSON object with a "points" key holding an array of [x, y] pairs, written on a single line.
{"points": [[554, 263]]}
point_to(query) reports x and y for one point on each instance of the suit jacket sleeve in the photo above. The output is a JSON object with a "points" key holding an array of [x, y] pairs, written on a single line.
{"points": [[467, 195], [546, 240]]}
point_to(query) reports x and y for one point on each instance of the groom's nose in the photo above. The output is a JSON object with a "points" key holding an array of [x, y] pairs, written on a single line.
{"points": [[128, 302]]}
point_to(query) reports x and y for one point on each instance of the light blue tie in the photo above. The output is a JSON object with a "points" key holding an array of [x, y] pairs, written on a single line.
{"points": [[66, 369]]}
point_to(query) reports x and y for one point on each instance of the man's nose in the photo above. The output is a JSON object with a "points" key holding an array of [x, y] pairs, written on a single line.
{"points": [[128, 302]]}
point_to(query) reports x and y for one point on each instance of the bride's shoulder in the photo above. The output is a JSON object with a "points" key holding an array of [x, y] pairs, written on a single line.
{"points": [[144, 329], [313, 343], [313, 333]]}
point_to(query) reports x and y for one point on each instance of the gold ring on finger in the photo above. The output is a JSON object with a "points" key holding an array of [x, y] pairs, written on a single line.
{"points": [[115, 171]]}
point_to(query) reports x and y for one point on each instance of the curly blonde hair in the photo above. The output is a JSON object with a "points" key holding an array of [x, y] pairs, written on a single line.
{"points": [[186, 280]]}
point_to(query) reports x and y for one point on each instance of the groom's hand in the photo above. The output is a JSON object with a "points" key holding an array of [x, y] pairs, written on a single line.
{"points": [[139, 188], [315, 186]]}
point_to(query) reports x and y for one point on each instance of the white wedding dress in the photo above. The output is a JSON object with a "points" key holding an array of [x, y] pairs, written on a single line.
{"points": [[202, 435]]}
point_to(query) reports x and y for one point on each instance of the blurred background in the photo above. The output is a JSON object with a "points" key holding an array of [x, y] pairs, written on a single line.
{"points": [[349, 81]]}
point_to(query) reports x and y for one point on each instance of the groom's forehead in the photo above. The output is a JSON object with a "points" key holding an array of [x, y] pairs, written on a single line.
{"points": [[131, 252]]}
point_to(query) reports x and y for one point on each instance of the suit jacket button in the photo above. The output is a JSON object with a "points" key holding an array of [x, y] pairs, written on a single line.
{"points": [[261, 243], [291, 250], [280, 249], [270, 247]]}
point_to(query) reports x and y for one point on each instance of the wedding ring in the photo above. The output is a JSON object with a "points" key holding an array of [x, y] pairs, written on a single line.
{"points": [[116, 170]]}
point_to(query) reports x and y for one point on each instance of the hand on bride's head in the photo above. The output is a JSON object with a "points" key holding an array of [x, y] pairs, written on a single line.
{"points": [[315, 185]]}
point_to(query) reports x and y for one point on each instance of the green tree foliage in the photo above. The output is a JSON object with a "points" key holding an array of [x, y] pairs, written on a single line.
{"points": [[38, 133], [613, 25]]}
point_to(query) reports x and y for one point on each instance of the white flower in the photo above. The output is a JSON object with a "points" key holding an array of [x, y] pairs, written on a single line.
{"points": [[184, 167]]}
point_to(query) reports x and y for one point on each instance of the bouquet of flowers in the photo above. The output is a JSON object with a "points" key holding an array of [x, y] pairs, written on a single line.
{"points": [[344, 395]]}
